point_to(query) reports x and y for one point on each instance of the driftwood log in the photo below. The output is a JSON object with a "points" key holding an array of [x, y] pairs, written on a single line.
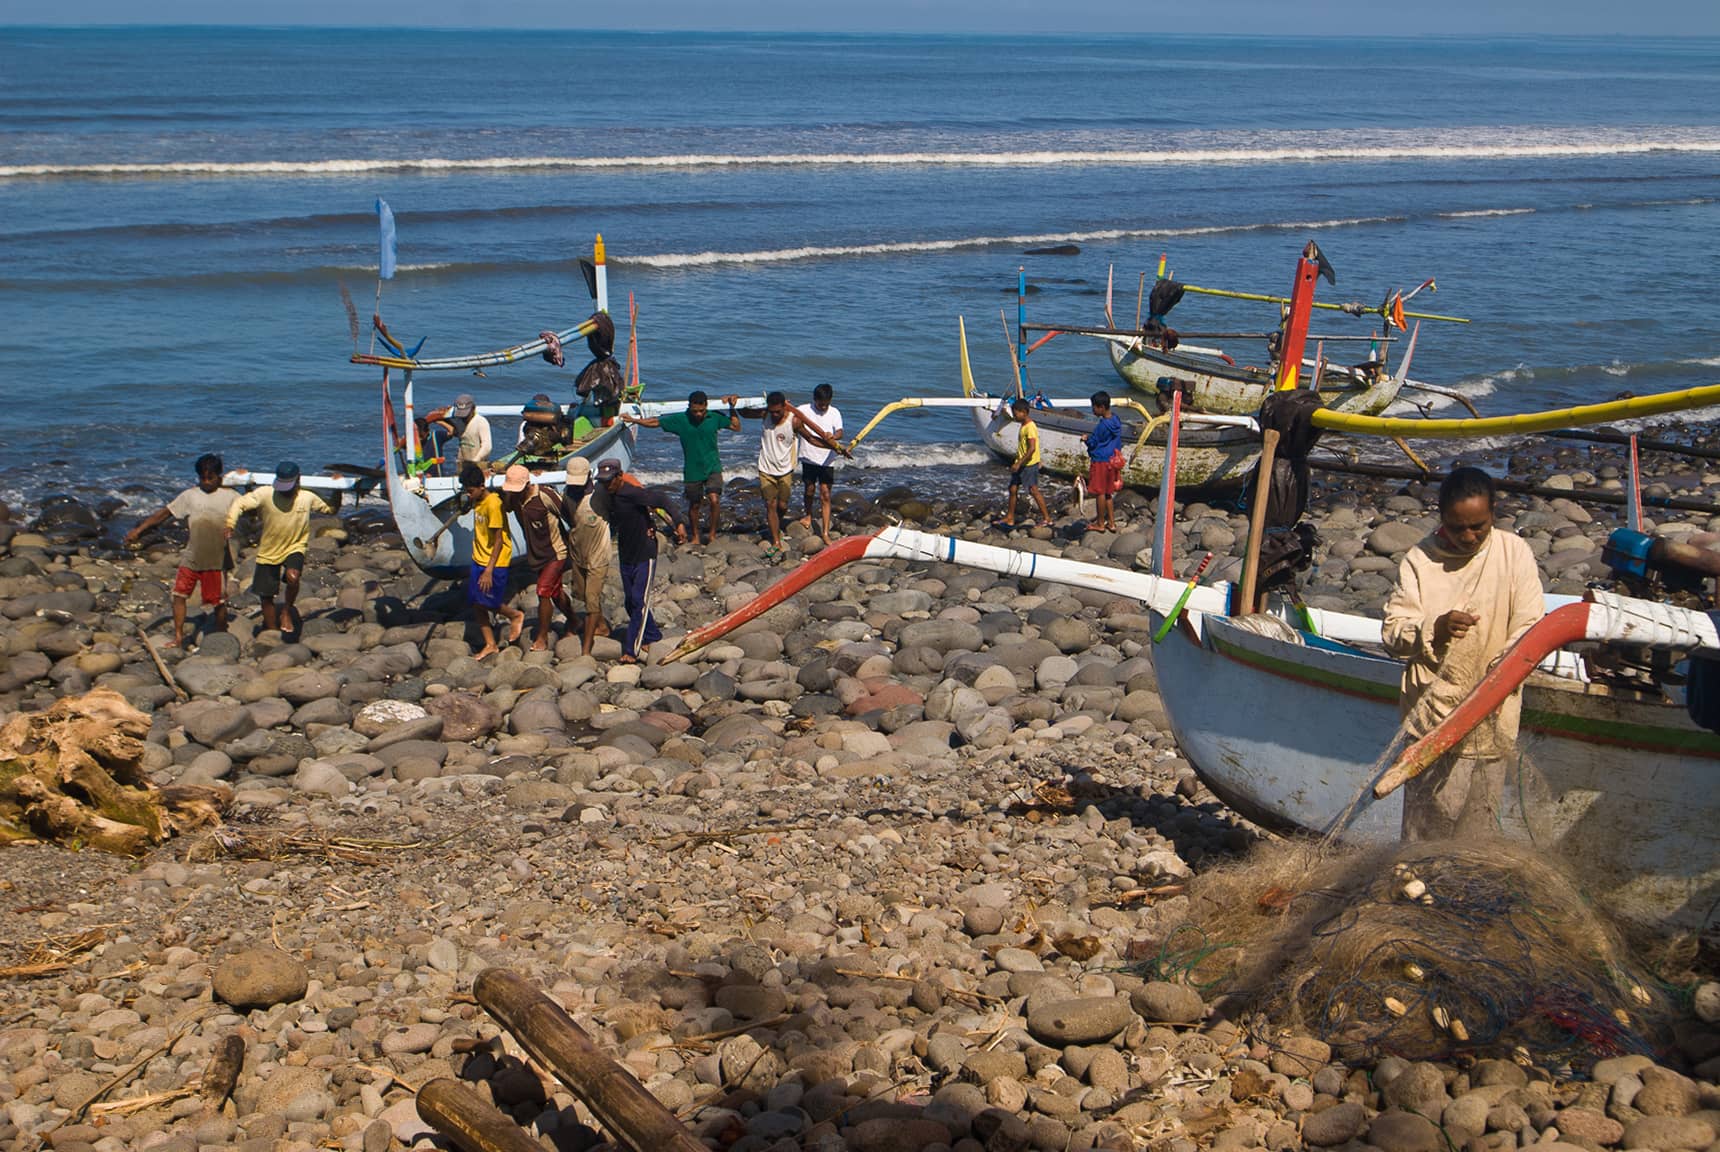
{"points": [[633, 1117], [74, 774], [472, 1123]]}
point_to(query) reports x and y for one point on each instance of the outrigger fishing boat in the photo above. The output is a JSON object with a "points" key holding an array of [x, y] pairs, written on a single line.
{"points": [[1622, 779], [1621, 776], [1156, 360], [1217, 453], [424, 494]]}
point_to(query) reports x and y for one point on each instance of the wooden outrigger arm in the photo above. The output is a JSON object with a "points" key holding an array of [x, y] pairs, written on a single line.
{"points": [[480, 360]]}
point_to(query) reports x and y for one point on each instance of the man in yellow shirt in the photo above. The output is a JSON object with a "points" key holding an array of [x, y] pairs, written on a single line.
{"points": [[492, 553], [285, 512], [1024, 469]]}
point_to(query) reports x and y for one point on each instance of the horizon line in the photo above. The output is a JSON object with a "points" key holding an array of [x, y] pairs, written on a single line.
{"points": [[854, 32]]}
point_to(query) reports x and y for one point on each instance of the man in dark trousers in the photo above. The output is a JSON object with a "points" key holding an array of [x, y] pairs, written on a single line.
{"points": [[629, 509]]}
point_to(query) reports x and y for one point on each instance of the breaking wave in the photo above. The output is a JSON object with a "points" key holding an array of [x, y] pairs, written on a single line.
{"points": [[1489, 145], [815, 252]]}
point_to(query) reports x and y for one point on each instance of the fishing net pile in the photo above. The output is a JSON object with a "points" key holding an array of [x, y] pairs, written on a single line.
{"points": [[1420, 950]]}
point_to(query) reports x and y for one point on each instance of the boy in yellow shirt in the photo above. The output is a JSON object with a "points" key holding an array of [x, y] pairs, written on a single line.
{"points": [[1024, 469], [492, 552], [285, 511]]}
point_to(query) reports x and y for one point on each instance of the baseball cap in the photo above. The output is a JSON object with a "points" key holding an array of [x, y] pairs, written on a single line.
{"points": [[286, 476], [608, 470], [464, 405], [578, 470], [516, 478]]}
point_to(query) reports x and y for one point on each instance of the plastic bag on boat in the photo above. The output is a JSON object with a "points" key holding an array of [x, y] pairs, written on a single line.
{"points": [[1166, 294]]}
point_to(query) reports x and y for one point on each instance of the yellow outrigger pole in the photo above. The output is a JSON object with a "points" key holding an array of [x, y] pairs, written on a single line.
{"points": [[1352, 309], [971, 397], [1523, 423]]}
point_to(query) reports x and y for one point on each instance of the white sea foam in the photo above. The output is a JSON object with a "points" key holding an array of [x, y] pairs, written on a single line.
{"points": [[1500, 144], [1704, 361], [815, 252], [1478, 212], [898, 455]]}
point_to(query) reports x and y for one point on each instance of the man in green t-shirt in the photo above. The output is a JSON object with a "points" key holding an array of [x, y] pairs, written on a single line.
{"points": [[701, 464]]}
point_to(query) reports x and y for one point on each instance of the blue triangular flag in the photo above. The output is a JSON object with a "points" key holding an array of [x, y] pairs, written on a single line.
{"points": [[385, 263]]}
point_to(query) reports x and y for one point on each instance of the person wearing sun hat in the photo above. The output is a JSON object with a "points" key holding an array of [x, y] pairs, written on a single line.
{"points": [[539, 512], [588, 549], [284, 511], [629, 508]]}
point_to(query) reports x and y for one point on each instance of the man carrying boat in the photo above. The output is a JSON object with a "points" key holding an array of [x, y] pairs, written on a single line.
{"points": [[475, 438], [205, 561], [1463, 596], [285, 511], [1105, 453], [588, 548], [629, 507], [492, 552], [539, 512], [701, 461], [818, 463], [784, 427]]}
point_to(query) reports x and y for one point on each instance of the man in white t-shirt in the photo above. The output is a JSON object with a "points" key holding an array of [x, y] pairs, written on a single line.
{"points": [[785, 429], [818, 463], [204, 563]]}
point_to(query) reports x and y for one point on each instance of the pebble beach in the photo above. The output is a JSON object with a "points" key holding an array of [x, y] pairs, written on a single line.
{"points": [[890, 868]]}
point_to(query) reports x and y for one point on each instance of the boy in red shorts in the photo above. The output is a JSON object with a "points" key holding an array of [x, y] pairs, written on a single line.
{"points": [[1105, 456], [204, 562], [539, 512]]}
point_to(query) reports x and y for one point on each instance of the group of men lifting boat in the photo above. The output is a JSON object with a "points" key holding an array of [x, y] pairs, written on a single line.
{"points": [[1462, 596]]}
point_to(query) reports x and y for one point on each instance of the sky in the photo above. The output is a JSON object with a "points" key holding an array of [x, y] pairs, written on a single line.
{"points": [[1261, 17]]}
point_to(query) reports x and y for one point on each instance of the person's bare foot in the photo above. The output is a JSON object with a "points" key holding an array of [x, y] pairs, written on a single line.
{"points": [[806, 521], [516, 626], [172, 644], [539, 646], [486, 652]]}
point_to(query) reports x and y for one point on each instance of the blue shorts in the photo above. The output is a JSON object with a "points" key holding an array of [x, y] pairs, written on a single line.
{"points": [[1028, 477], [498, 593]]}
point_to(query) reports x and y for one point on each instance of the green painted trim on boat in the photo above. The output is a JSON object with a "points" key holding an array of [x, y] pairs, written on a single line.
{"points": [[1591, 730]]}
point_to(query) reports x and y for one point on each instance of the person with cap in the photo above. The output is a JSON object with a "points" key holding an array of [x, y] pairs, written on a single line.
{"points": [[629, 507], [817, 462], [784, 427], [492, 552], [701, 462], [539, 512], [285, 513], [588, 548], [204, 562], [475, 440]]}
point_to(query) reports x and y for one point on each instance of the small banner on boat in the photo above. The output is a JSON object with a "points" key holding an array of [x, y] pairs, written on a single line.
{"points": [[385, 261]]}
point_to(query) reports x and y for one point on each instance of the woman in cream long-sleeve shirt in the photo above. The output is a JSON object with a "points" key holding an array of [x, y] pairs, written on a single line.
{"points": [[1463, 596]]}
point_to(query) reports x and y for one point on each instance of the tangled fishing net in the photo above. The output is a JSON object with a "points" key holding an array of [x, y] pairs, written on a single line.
{"points": [[1419, 950]]}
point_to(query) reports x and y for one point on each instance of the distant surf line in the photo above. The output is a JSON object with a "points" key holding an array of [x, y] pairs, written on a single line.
{"points": [[1553, 149]]}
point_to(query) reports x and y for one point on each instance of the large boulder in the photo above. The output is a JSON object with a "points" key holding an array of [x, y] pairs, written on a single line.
{"points": [[464, 716]]}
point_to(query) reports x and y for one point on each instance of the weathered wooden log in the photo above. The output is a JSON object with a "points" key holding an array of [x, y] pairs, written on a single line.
{"points": [[222, 1071], [632, 1115], [470, 1121], [74, 774]]}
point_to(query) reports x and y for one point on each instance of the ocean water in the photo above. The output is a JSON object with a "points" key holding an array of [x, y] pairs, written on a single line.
{"points": [[179, 209]]}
